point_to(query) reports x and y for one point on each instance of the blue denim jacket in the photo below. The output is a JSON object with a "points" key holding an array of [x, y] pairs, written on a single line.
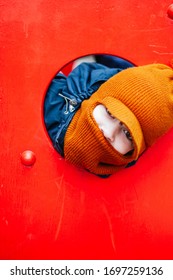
{"points": [[65, 95]]}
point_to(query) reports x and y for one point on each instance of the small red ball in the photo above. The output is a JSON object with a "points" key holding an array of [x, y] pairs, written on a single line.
{"points": [[28, 158], [170, 11]]}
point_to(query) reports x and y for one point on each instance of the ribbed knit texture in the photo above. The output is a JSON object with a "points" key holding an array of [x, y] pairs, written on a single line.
{"points": [[142, 98], [85, 145], [148, 92]]}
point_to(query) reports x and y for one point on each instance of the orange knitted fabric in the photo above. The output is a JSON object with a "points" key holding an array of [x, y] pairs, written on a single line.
{"points": [[141, 98]]}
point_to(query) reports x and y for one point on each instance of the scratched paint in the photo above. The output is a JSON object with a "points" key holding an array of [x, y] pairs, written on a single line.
{"points": [[53, 210]]}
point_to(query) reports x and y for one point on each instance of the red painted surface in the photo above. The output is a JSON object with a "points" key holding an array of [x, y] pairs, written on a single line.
{"points": [[51, 209]]}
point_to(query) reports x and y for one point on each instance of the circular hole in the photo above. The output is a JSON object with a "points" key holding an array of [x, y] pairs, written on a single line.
{"points": [[56, 102], [74, 83]]}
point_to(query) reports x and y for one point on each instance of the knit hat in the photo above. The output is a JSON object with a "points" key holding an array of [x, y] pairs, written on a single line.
{"points": [[141, 98]]}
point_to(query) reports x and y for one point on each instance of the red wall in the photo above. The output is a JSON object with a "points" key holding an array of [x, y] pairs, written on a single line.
{"points": [[51, 209]]}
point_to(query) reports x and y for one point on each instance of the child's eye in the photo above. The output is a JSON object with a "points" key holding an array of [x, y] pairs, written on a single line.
{"points": [[110, 114], [128, 135]]}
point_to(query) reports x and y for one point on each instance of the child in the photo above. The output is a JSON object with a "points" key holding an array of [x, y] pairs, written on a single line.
{"points": [[102, 118]]}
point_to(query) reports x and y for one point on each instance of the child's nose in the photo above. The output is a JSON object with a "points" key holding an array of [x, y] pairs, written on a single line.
{"points": [[110, 132]]}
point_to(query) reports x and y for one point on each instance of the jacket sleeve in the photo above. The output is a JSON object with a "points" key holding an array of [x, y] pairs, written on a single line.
{"points": [[65, 95], [54, 105], [85, 79]]}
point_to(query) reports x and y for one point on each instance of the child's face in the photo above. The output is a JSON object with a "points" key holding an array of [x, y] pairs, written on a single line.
{"points": [[116, 133]]}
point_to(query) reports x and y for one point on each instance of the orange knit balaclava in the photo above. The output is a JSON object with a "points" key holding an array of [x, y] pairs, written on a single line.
{"points": [[141, 98]]}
